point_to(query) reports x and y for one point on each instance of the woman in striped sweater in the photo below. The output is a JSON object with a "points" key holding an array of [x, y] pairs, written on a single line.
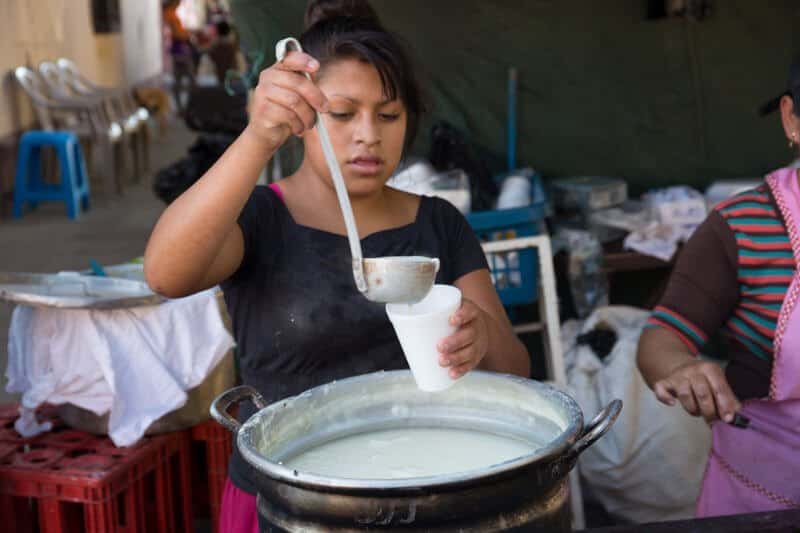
{"points": [[739, 273]]}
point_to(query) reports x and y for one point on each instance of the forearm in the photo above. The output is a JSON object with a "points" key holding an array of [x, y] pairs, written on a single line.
{"points": [[505, 353], [191, 232], [659, 353]]}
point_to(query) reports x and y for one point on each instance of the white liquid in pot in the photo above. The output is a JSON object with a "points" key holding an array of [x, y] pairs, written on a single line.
{"points": [[406, 453]]}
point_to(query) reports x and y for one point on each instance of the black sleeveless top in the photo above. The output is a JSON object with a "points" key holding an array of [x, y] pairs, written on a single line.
{"points": [[299, 320]]}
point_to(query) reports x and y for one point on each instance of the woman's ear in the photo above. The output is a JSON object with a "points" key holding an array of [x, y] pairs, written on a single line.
{"points": [[791, 122]]}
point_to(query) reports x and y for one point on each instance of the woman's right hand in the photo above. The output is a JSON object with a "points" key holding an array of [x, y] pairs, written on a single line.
{"points": [[285, 101], [701, 388]]}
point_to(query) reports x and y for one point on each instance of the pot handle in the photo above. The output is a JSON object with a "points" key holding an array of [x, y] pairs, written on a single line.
{"points": [[223, 402], [595, 429]]}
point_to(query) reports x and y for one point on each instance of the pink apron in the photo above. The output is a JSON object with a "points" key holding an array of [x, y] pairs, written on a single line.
{"points": [[757, 468]]}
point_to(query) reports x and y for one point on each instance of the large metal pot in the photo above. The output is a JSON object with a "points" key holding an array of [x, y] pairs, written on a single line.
{"points": [[529, 493]]}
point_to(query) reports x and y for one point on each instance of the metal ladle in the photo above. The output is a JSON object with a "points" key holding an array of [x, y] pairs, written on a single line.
{"points": [[398, 279]]}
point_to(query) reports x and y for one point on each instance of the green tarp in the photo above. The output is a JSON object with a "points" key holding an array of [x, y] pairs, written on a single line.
{"points": [[603, 90]]}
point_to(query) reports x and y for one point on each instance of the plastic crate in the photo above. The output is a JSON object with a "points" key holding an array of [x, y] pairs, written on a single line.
{"points": [[515, 274], [67, 480], [212, 448], [9, 414]]}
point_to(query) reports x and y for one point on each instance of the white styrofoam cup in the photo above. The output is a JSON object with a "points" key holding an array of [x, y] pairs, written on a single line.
{"points": [[420, 327]]}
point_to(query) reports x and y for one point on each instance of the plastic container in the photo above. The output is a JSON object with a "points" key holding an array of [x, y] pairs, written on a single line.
{"points": [[515, 274], [589, 192], [419, 177]]}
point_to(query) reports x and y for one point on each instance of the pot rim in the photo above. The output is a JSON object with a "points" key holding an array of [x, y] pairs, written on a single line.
{"points": [[555, 449]]}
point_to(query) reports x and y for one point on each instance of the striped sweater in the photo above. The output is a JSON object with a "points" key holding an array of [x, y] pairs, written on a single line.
{"points": [[759, 265]]}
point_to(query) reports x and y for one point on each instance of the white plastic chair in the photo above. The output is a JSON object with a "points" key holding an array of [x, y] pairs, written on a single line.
{"points": [[121, 108], [83, 117], [550, 325]]}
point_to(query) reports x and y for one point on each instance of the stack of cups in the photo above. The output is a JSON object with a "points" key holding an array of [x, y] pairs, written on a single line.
{"points": [[420, 327]]}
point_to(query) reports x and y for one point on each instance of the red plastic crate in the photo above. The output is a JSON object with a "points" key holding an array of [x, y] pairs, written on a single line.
{"points": [[34, 460], [212, 446], [68, 481], [9, 414], [19, 514], [9, 435], [106, 446], [9, 410], [6, 449], [174, 484], [67, 439]]}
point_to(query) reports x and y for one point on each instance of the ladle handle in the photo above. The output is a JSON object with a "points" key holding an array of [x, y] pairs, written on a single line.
{"points": [[595, 429], [223, 402], [281, 49]]}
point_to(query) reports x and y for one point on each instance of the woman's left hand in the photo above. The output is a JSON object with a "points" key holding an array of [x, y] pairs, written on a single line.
{"points": [[465, 349]]}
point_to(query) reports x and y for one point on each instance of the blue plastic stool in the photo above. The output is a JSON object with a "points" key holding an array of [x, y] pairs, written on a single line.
{"points": [[29, 185]]}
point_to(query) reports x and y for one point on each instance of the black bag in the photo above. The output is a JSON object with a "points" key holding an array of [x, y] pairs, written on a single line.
{"points": [[172, 181], [212, 109], [450, 150]]}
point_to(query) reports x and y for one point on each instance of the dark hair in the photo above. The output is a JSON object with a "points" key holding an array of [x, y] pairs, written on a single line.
{"points": [[318, 10], [338, 29], [792, 91]]}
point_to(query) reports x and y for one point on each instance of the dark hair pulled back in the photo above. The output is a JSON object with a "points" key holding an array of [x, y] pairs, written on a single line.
{"points": [[350, 29]]}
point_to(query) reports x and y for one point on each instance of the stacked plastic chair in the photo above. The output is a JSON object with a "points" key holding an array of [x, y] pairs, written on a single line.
{"points": [[83, 117]]}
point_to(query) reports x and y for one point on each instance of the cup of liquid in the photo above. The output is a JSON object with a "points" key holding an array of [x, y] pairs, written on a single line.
{"points": [[420, 327]]}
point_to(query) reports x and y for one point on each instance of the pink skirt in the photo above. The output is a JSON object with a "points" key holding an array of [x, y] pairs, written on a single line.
{"points": [[238, 513]]}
